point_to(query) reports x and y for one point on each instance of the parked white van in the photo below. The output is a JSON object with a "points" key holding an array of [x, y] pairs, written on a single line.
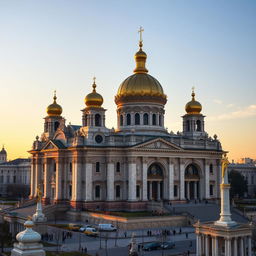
{"points": [[106, 227]]}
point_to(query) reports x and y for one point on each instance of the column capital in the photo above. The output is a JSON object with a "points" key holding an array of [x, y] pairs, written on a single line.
{"points": [[132, 160], [182, 161]]}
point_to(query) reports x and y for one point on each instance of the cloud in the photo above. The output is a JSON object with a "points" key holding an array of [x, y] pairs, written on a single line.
{"points": [[217, 101], [230, 105], [248, 111]]}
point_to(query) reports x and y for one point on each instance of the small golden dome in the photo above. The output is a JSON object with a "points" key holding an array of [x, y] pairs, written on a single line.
{"points": [[54, 109], [193, 106], [93, 99], [140, 86]]}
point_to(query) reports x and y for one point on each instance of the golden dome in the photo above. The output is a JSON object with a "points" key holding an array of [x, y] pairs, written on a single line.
{"points": [[193, 106], [54, 109], [93, 99], [140, 86]]}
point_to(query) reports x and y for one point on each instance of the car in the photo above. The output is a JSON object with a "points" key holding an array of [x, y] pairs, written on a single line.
{"points": [[74, 227], [167, 245], [83, 228], [91, 232], [151, 246], [106, 227]]}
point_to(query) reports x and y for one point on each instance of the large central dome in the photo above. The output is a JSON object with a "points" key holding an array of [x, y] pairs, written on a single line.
{"points": [[140, 86]]}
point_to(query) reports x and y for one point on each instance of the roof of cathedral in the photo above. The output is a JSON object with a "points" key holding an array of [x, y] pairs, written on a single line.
{"points": [[193, 106], [54, 109], [140, 87]]}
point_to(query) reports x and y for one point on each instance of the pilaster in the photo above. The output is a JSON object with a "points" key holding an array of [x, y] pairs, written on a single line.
{"points": [[207, 179], [132, 179], [110, 180], [182, 178], [144, 180], [88, 181], [171, 181]]}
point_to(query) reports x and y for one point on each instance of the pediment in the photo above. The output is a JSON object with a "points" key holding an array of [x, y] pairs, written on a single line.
{"points": [[49, 145], [158, 143]]}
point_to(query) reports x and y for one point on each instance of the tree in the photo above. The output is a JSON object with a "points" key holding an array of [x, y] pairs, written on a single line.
{"points": [[238, 184], [5, 235]]}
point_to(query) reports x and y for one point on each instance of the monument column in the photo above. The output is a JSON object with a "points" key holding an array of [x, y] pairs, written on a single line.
{"points": [[182, 173], [144, 180], [207, 178], [88, 180], [110, 180], [171, 181], [132, 179]]}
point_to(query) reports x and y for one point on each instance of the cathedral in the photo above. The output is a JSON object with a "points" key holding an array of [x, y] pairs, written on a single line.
{"points": [[90, 166]]}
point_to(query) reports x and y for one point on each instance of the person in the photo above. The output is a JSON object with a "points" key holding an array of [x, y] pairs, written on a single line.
{"points": [[188, 252], [85, 249], [186, 235]]}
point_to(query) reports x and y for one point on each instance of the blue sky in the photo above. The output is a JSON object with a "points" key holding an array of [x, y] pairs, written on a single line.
{"points": [[48, 45]]}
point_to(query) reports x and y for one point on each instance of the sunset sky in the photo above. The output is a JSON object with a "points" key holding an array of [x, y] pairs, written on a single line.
{"points": [[60, 45]]}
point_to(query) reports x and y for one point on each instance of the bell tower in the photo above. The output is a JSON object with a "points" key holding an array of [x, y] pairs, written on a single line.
{"points": [[193, 121], [53, 120]]}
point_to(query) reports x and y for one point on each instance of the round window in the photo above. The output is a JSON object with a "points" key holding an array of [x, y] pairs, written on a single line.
{"points": [[98, 138]]}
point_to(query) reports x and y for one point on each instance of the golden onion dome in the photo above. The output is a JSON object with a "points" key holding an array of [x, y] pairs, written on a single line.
{"points": [[93, 99], [54, 109], [140, 86], [193, 106]]}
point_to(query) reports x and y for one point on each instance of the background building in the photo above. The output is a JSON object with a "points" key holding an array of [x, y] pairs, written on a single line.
{"points": [[247, 168], [91, 166], [14, 175]]}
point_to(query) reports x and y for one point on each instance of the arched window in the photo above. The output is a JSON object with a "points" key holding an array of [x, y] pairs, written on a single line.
{"points": [[118, 191], [160, 120], [137, 119], [154, 119], [191, 171], [97, 120], [198, 125], [118, 167], [145, 119], [97, 191], [121, 120], [128, 119], [155, 171], [188, 126], [56, 125]]}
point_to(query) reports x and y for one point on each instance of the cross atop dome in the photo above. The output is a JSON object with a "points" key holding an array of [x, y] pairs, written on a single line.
{"points": [[140, 32]]}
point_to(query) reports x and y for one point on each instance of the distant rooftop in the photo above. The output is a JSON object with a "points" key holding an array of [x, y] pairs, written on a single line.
{"points": [[17, 161]]}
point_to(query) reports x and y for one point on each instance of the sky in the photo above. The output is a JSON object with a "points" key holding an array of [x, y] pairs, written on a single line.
{"points": [[61, 45]]}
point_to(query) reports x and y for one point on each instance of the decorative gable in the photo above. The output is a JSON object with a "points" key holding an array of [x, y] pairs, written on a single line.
{"points": [[49, 145], [158, 143]]}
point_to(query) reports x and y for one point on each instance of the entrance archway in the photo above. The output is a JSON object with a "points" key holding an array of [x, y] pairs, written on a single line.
{"points": [[155, 182], [192, 182]]}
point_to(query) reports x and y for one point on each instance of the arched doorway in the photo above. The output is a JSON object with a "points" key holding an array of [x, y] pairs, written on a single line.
{"points": [[192, 182], [155, 182]]}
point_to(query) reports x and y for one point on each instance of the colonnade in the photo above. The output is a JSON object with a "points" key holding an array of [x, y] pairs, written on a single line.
{"points": [[81, 178], [233, 246]]}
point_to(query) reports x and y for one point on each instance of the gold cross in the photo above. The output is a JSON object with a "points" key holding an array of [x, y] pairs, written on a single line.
{"points": [[193, 88], [140, 31], [94, 78]]}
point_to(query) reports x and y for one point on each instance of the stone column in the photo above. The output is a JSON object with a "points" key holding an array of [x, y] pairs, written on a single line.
{"points": [[110, 181], [158, 191], [47, 181], [207, 179], [144, 180], [58, 194], [198, 245], [32, 179], [213, 246], [235, 246], [195, 189], [88, 181], [241, 247], [171, 181], [206, 245], [249, 246], [150, 190], [182, 173], [132, 180], [229, 247], [76, 180], [188, 190], [37, 175]]}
